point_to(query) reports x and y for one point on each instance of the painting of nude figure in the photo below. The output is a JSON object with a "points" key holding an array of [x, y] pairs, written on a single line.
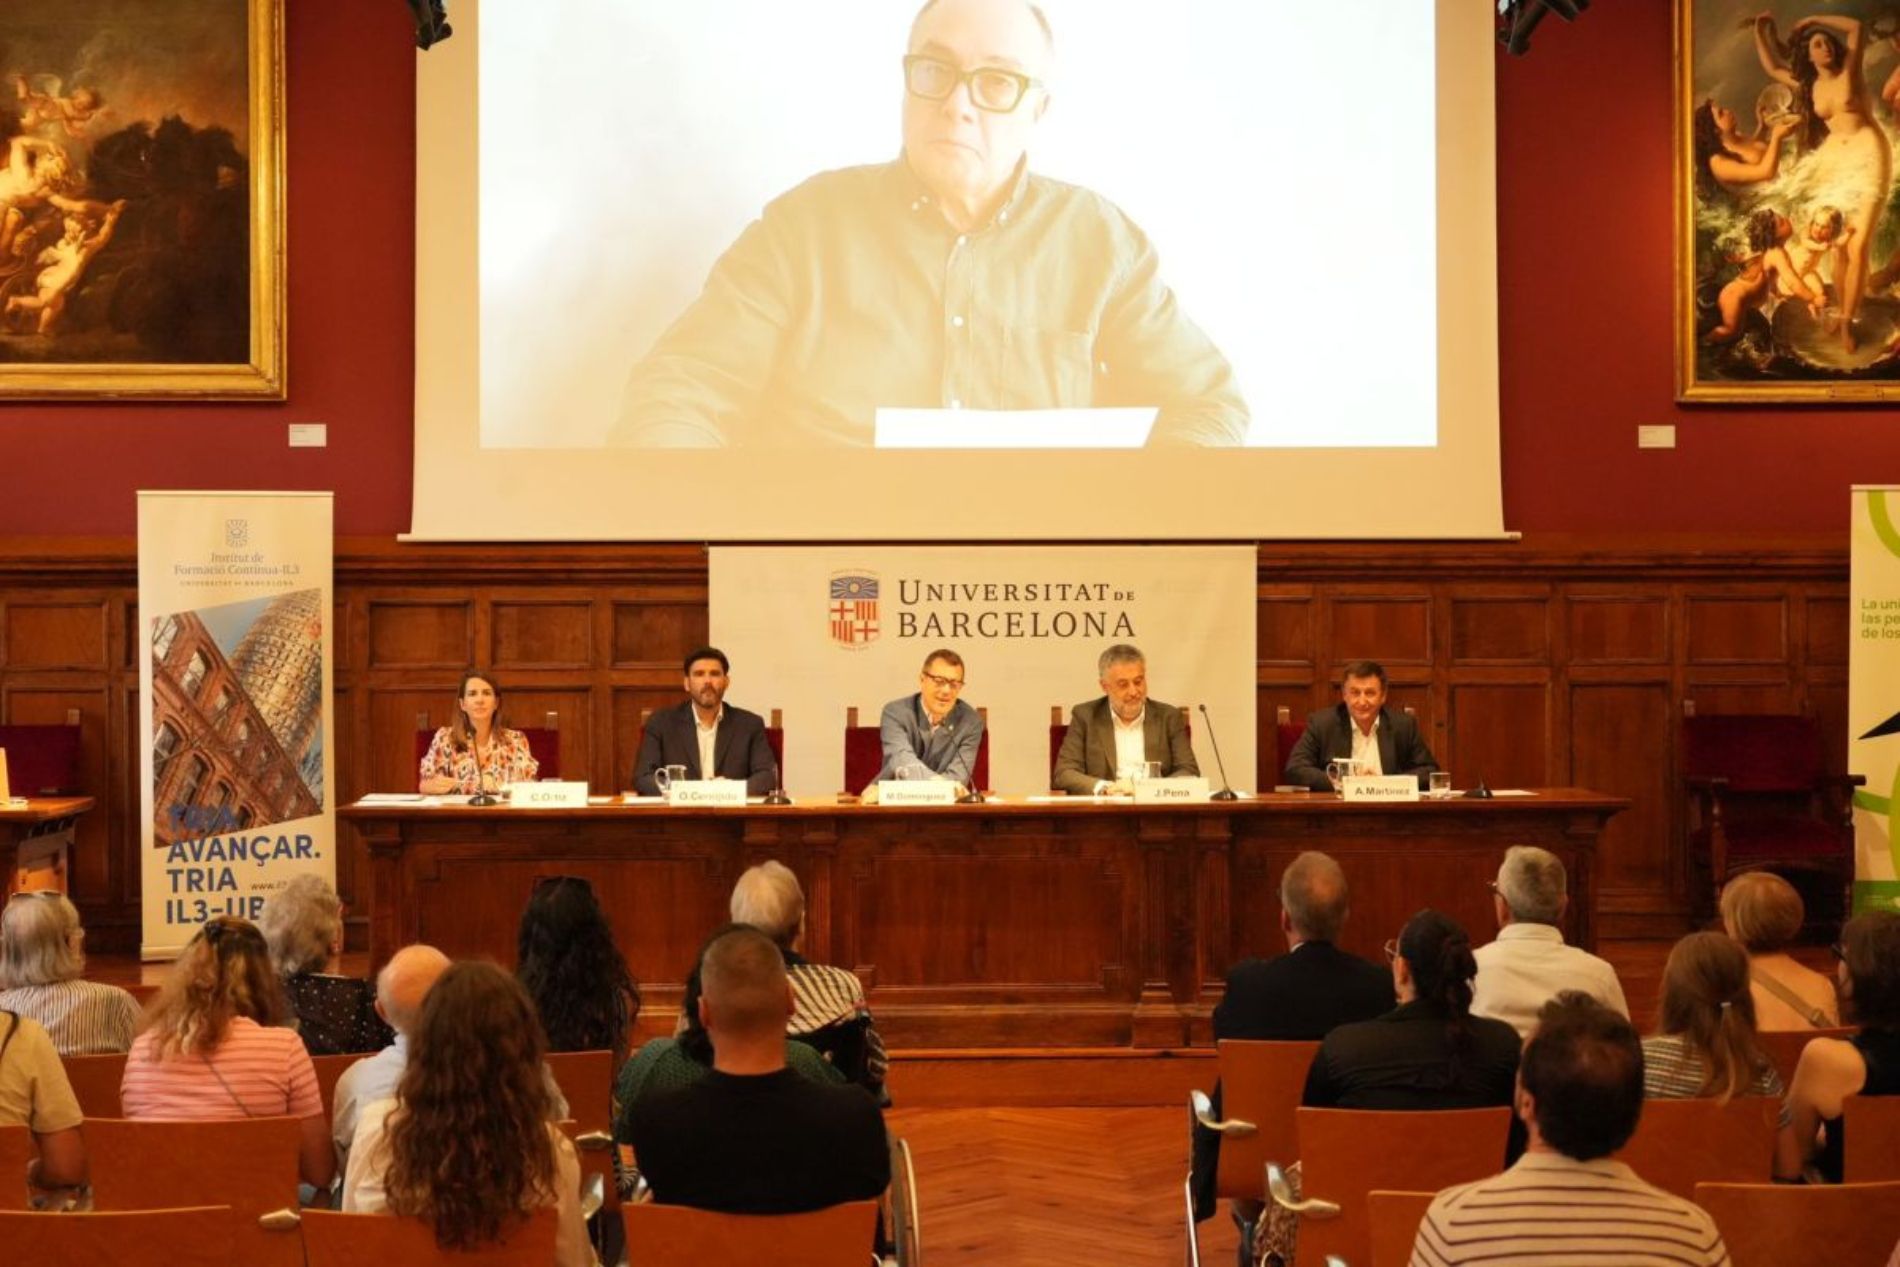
{"points": [[141, 199], [1788, 249]]}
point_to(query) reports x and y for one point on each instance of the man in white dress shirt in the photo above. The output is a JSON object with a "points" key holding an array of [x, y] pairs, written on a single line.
{"points": [[1529, 964], [1111, 739]]}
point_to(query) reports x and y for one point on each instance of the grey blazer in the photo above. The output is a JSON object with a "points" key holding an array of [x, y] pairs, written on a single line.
{"points": [[1088, 750], [908, 739]]}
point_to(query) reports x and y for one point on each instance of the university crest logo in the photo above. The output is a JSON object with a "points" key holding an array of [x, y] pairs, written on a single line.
{"points": [[854, 609]]}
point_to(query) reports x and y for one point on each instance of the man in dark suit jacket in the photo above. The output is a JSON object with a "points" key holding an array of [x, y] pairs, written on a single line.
{"points": [[1330, 734], [675, 736], [1087, 765], [1301, 995]]}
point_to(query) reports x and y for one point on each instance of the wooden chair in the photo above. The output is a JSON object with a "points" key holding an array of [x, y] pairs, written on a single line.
{"points": [[1773, 1225], [96, 1082], [1261, 1084], [1763, 800], [1680, 1143], [329, 1069], [1871, 1151], [332, 1239], [864, 753], [1783, 1047], [196, 1236], [586, 1079], [17, 1152], [670, 1235], [1346, 1153], [249, 1164], [1395, 1217]]}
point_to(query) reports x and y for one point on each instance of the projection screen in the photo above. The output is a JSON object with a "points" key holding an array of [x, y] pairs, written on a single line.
{"points": [[713, 272]]}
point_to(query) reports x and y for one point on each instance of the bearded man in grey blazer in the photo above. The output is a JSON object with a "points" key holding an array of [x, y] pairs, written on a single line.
{"points": [[1107, 736]]}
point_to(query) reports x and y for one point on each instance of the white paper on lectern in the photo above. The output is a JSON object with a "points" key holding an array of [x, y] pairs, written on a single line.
{"points": [[1014, 428]]}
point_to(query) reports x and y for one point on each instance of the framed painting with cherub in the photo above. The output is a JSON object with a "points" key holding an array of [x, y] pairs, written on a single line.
{"points": [[141, 199], [1788, 249]]}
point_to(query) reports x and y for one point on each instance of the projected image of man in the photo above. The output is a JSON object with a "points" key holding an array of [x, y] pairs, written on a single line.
{"points": [[952, 278]]}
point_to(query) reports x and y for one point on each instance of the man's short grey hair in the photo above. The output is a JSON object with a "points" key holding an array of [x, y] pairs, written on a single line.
{"points": [[39, 941], [1313, 895], [1120, 653], [404, 982], [768, 898], [300, 922], [1532, 883]]}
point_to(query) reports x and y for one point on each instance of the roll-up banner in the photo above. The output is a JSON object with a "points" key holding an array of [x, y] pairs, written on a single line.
{"points": [[236, 766], [816, 630], [1873, 697]]}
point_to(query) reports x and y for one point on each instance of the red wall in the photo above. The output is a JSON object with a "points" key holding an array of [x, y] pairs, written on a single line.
{"points": [[1585, 232]]}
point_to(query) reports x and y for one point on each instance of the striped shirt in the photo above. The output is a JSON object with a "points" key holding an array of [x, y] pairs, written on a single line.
{"points": [[1550, 1209], [1672, 1072], [254, 1072], [83, 1018]]}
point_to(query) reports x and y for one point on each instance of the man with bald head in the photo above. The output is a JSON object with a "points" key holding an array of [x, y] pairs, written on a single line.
{"points": [[754, 1136], [952, 278]]}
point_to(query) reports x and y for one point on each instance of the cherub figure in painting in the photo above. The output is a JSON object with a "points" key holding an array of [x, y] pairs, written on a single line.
{"points": [[41, 107], [1825, 239], [37, 173], [1766, 270], [65, 263]]}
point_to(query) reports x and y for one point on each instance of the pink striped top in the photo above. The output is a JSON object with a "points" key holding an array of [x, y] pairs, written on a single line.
{"points": [[264, 1072]]}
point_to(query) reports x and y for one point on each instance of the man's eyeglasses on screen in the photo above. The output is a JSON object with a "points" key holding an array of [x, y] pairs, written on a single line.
{"points": [[991, 87], [947, 683]]}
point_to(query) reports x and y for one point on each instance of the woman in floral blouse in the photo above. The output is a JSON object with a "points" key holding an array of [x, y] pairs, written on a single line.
{"points": [[477, 752]]}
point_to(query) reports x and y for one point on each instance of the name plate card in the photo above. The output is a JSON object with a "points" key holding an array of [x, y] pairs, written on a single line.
{"points": [[1379, 787], [1170, 791], [697, 792], [554, 794], [916, 792]]}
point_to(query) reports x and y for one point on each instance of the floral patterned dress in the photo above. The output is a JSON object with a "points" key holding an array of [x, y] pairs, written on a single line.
{"points": [[505, 760]]}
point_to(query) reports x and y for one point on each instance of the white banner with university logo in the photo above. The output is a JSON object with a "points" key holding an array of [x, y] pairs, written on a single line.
{"points": [[236, 767], [1873, 696], [813, 630]]}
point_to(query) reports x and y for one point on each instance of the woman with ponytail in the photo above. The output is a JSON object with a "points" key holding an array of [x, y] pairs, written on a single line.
{"points": [[1430, 1052], [1706, 1044]]}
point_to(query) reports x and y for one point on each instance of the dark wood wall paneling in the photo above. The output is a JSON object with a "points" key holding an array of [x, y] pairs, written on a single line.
{"points": [[1558, 662]]}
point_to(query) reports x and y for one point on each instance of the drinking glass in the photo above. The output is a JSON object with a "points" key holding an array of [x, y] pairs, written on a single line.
{"points": [[1441, 783]]}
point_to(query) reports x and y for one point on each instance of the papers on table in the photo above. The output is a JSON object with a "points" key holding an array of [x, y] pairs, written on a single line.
{"points": [[392, 798]]}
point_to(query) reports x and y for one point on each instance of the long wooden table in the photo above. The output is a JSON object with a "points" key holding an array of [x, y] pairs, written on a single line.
{"points": [[38, 835], [1006, 924]]}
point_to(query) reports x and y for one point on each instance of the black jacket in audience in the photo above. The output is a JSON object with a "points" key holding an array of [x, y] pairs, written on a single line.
{"points": [[1301, 995], [1402, 1060], [775, 1143]]}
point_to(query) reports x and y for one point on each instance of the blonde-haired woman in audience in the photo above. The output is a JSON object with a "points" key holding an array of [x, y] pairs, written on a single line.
{"points": [[1831, 1069], [303, 925], [466, 1143], [42, 969], [214, 1046], [1764, 913], [828, 1008]]}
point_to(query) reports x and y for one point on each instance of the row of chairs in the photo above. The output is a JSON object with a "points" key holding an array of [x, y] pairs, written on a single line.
{"points": [[1680, 1146]]}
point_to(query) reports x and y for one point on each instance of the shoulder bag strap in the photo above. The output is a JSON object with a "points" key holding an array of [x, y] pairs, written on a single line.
{"points": [[1814, 1016]]}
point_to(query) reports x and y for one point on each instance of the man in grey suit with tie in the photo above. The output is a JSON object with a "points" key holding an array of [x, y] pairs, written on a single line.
{"points": [[1360, 727], [933, 734], [712, 739], [1110, 737]]}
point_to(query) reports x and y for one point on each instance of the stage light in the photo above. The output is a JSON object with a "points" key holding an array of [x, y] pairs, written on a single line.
{"points": [[1518, 18], [432, 22]]}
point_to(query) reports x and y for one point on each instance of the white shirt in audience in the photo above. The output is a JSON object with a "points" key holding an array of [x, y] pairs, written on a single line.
{"points": [[363, 1191], [375, 1077], [1527, 966]]}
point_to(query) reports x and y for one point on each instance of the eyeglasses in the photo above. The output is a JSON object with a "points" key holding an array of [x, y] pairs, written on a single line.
{"points": [[1391, 949], [946, 683], [991, 88]]}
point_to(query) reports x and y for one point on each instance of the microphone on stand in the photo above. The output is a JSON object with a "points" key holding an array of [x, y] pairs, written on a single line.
{"points": [[1479, 793], [777, 795], [482, 795], [1226, 792]]}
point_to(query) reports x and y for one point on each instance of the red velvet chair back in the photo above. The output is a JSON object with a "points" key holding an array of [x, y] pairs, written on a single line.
{"points": [[41, 760], [1766, 753], [1287, 736], [864, 755]]}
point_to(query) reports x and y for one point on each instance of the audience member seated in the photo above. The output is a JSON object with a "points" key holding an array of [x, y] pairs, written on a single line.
{"points": [[34, 1093], [1866, 1064], [400, 989], [667, 1064], [1301, 995], [466, 1143], [1529, 964], [42, 962], [1763, 912], [303, 925], [1566, 1200], [214, 1045], [565, 957], [829, 1012], [753, 1136]]}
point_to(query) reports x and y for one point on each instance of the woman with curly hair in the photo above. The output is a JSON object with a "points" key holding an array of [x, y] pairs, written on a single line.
{"points": [[214, 1047], [566, 958], [303, 924], [465, 1143]]}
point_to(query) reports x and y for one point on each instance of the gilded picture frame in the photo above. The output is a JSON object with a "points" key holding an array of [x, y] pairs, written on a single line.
{"points": [[1788, 227], [142, 200]]}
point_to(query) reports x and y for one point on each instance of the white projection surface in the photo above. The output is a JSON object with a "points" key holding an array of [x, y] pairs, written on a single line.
{"points": [[674, 264]]}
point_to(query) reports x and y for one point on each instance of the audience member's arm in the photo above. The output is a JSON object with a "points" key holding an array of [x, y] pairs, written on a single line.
{"points": [[1829, 1071], [571, 1248], [62, 1160], [363, 1177], [1321, 1091]]}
